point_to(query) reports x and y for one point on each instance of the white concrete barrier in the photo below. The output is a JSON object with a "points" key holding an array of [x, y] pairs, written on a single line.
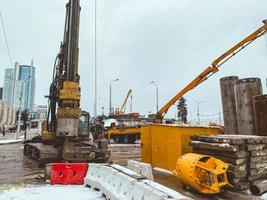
{"points": [[141, 168], [119, 183]]}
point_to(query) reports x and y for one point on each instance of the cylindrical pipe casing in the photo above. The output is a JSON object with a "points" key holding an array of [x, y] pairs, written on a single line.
{"points": [[67, 127], [227, 85], [260, 114], [245, 89], [204, 173]]}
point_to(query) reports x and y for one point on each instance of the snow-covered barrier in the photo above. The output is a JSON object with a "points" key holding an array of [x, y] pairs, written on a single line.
{"points": [[119, 183], [141, 168]]}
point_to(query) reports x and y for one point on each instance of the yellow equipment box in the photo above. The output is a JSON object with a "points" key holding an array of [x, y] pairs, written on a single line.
{"points": [[162, 144]]}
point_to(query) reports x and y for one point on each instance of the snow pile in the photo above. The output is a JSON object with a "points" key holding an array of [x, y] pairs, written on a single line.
{"points": [[48, 192]]}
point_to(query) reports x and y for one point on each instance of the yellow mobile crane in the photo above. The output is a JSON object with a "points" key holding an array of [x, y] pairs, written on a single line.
{"points": [[212, 69], [123, 133], [130, 134], [121, 110]]}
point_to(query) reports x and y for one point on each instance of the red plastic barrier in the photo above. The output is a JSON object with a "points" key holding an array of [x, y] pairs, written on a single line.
{"points": [[68, 173]]}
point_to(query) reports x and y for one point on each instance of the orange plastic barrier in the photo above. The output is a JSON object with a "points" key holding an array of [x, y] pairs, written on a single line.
{"points": [[68, 173]]}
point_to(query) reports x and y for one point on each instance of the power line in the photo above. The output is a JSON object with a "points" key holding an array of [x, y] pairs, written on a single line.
{"points": [[7, 46]]}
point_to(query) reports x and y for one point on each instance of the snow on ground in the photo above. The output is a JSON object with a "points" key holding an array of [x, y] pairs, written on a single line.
{"points": [[11, 141], [48, 192]]}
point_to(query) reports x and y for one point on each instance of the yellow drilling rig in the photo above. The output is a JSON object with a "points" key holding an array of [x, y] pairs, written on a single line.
{"points": [[66, 134]]}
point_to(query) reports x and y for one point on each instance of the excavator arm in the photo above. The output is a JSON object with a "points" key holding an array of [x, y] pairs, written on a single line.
{"points": [[212, 69]]}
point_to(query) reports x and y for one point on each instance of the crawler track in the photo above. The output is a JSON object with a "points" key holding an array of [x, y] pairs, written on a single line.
{"points": [[41, 153]]}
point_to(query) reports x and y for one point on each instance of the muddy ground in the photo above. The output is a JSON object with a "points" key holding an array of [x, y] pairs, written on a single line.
{"points": [[15, 168]]}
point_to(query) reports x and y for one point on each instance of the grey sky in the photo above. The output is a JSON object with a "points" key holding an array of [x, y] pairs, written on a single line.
{"points": [[168, 41]]}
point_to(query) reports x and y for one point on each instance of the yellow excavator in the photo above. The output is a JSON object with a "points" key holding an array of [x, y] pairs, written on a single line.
{"points": [[66, 134]]}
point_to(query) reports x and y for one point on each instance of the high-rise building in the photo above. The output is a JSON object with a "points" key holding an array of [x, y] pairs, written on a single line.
{"points": [[8, 85], [19, 87]]}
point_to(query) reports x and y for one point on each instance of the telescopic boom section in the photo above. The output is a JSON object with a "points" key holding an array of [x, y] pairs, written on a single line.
{"points": [[122, 108], [212, 69], [69, 111], [72, 49]]}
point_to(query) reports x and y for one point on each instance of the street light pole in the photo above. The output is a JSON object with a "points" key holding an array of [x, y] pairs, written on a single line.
{"points": [[110, 98], [198, 114], [19, 119], [157, 95]]}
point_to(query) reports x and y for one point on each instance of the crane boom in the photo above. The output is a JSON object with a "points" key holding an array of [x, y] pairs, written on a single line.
{"points": [[213, 68], [122, 108]]}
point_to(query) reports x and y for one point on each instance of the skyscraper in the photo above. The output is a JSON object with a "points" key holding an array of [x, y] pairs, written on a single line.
{"points": [[8, 85], [20, 83]]}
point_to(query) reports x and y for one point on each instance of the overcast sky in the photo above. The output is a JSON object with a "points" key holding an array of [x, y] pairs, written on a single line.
{"points": [[167, 41]]}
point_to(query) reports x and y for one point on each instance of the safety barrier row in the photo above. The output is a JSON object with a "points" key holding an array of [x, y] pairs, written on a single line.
{"points": [[119, 183]]}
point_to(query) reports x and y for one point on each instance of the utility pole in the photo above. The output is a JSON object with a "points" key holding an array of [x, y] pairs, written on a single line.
{"points": [[198, 113], [157, 95], [110, 97], [19, 117], [95, 103]]}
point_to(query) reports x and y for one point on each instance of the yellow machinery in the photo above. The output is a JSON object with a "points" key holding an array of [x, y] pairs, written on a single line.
{"points": [[67, 127], [163, 144], [212, 69], [124, 134], [204, 173]]}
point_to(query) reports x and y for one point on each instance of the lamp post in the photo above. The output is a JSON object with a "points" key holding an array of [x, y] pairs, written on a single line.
{"points": [[110, 100], [198, 114], [157, 95], [20, 99]]}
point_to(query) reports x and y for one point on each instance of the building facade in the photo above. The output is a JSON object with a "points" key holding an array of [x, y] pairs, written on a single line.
{"points": [[19, 87], [7, 115], [39, 112]]}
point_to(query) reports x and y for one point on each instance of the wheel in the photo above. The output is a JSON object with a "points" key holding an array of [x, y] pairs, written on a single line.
{"points": [[132, 139], [126, 139], [117, 139]]}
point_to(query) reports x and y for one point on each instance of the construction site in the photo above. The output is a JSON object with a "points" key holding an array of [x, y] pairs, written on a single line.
{"points": [[77, 152]]}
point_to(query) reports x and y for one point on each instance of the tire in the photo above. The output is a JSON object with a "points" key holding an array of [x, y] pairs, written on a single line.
{"points": [[132, 139], [129, 139], [117, 139], [126, 139]]}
